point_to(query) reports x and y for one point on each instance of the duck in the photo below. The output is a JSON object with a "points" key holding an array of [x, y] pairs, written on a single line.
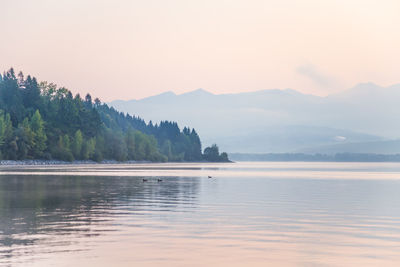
{"points": [[159, 180], [144, 180], [209, 176]]}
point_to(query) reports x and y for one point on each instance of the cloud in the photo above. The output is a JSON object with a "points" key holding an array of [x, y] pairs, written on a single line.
{"points": [[310, 71]]}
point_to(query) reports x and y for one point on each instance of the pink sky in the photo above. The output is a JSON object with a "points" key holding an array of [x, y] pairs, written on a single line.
{"points": [[122, 49]]}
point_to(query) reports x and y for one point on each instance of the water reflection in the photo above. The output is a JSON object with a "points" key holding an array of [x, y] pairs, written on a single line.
{"points": [[110, 217], [35, 211]]}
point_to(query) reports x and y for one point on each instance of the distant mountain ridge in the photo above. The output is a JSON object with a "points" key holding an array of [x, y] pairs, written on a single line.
{"points": [[279, 121]]}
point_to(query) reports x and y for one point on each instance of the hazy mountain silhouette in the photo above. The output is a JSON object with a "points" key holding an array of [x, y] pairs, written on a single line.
{"points": [[280, 120]]}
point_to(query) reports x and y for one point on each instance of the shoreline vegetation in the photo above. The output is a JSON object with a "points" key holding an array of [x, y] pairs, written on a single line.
{"points": [[39, 162], [46, 122]]}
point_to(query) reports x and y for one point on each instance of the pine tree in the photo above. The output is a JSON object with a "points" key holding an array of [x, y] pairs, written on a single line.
{"points": [[40, 138]]}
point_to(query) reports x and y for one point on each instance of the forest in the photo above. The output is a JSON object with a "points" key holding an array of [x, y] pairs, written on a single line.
{"points": [[39, 120]]}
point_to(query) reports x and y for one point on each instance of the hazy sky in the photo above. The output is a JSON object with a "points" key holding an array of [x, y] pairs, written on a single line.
{"points": [[124, 49]]}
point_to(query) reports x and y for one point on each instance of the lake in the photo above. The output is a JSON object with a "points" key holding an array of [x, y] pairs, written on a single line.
{"points": [[247, 214]]}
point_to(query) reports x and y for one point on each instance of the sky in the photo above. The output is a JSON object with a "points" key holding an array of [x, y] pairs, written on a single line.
{"points": [[128, 49]]}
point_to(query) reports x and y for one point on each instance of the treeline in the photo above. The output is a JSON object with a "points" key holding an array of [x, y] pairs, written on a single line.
{"points": [[339, 157], [42, 121], [212, 154]]}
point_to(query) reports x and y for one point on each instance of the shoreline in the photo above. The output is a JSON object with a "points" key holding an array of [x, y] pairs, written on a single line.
{"points": [[38, 162]]}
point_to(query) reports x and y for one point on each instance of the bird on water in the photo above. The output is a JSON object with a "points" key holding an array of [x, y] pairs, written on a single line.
{"points": [[209, 176], [159, 180], [144, 180]]}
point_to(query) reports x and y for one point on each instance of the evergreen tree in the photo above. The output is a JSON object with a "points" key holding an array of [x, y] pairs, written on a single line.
{"points": [[9, 148], [25, 140], [39, 135], [212, 154]]}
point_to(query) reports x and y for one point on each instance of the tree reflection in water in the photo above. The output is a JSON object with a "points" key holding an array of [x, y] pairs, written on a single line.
{"points": [[37, 209]]}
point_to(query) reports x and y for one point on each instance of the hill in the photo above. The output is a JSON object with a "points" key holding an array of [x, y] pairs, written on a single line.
{"points": [[41, 121]]}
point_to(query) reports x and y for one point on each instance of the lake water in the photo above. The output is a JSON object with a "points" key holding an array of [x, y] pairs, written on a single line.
{"points": [[247, 214]]}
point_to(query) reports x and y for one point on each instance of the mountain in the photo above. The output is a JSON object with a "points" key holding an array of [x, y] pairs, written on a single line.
{"points": [[377, 147], [279, 121]]}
